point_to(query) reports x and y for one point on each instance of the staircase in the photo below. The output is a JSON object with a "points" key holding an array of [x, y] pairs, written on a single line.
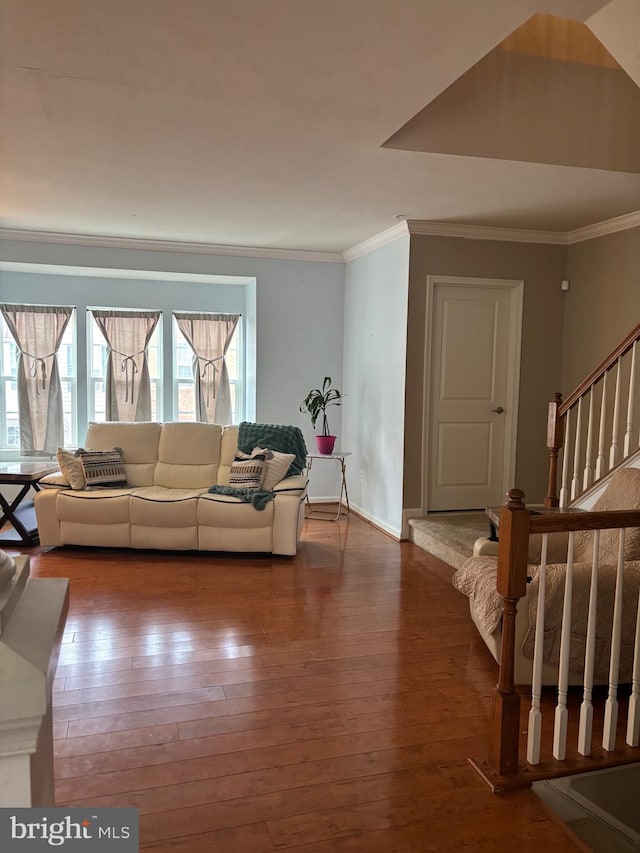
{"points": [[591, 435], [450, 536], [595, 429]]}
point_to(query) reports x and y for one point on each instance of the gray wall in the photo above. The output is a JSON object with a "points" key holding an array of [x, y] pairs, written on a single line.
{"points": [[542, 267], [603, 303]]}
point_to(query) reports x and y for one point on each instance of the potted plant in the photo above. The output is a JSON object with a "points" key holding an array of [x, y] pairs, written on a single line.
{"points": [[315, 404]]}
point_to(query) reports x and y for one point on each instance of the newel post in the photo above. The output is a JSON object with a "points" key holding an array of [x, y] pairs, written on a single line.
{"points": [[555, 437], [512, 585]]}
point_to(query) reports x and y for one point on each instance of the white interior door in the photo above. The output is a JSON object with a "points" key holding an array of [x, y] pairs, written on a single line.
{"points": [[475, 329]]}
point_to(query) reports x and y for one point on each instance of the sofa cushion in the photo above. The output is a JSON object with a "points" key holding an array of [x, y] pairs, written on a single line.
{"points": [[100, 506], [188, 455], [156, 506], [228, 511], [137, 441]]}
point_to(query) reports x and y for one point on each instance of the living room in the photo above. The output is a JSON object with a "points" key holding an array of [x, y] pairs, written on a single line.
{"points": [[322, 239]]}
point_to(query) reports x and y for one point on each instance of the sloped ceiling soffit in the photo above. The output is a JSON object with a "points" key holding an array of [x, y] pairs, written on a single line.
{"points": [[549, 93]]}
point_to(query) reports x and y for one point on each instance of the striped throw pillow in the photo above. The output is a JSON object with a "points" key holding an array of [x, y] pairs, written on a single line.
{"points": [[247, 472], [103, 469]]}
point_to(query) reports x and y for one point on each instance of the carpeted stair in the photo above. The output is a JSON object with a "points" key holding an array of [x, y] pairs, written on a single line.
{"points": [[449, 536]]}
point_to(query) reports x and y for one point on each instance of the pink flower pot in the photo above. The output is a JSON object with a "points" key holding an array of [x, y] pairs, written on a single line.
{"points": [[325, 444]]}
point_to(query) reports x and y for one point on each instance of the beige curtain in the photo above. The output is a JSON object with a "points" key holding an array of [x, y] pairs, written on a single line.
{"points": [[128, 387], [209, 336], [38, 331]]}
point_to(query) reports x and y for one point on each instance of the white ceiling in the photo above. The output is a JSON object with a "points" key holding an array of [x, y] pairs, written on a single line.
{"points": [[260, 122]]}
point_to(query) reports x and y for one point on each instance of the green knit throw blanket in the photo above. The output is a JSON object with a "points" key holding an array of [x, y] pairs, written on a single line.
{"points": [[279, 437]]}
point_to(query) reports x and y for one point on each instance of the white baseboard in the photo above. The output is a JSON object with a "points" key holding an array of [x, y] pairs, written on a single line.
{"points": [[367, 516], [382, 525]]}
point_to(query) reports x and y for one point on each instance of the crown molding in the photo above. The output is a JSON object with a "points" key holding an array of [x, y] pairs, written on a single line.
{"points": [[143, 244], [390, 235], [411, 226], [485, 232], [609, 226]]}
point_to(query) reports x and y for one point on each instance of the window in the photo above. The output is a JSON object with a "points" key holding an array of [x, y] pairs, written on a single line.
{"points": [[84, 384], [235, 385], [9, 391], [98, 354], [68, 380], [184, 388], [183, 381], [9, 415]]}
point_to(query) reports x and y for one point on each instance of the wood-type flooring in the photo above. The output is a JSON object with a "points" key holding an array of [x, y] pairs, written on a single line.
{"points": [[251, 703]]}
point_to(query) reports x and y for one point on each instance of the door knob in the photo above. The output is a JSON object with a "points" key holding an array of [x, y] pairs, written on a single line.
{"points": [[499, 410]]}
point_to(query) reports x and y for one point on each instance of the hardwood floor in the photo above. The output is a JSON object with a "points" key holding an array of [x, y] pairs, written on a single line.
{"points": [[327, 702]]}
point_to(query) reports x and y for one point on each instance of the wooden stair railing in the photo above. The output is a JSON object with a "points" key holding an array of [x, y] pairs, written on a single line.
{"points": [[559, 732], [596, 427]]}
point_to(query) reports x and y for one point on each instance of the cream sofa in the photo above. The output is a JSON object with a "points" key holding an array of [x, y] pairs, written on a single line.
{"points": [[166, 504]]}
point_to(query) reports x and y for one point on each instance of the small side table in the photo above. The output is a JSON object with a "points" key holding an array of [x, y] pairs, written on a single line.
{"points": [[20, 514], [321, 514], [493, 514]]}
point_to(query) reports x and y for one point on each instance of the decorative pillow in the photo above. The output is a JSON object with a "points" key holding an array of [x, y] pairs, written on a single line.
{"points": [[70, 465], [103, 469], [247, 472], [276, 468]]}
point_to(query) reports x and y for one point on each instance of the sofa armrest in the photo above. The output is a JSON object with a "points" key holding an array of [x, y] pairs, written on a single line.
{"points": [[485, 547], [292, 485], [556, 553], [288, 514], [57, 480]]}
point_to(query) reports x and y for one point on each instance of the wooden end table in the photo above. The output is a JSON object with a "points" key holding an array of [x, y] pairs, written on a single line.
{"points": [[493, 514], [20, 513]]}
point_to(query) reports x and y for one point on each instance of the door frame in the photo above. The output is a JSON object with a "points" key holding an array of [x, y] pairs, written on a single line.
{"points": [[514, 346]]}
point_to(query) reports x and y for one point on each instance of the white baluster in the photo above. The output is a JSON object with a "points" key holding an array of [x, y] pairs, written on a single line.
{"points": [[586, 709], [534, 736], [630, 402], [588, 456], [564, 491], [601, 432], [613, 450], [575, 482], [611, 705], [562, 714], [633, 719]]}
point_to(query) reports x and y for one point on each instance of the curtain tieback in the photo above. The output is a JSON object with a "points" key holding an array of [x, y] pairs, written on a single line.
{"points": [[209, 367], [38, 364], [129, 361], [129, 364]]}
